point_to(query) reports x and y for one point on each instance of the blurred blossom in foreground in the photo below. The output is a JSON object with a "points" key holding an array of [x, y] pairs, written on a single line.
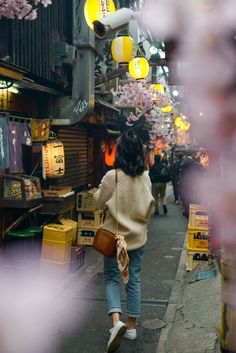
{"points": [[36, 311], [204, 32]]}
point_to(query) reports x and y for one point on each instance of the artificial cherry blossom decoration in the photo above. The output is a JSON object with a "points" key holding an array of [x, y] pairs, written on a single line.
{"points": [[21, 9], [148, 102]]}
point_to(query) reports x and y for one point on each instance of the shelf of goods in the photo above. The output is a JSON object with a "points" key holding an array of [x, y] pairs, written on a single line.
{"points": [[22, 191]]}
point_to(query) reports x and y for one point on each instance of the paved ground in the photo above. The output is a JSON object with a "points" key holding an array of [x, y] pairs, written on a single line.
{"points": [[163, 250], [68, 314]]}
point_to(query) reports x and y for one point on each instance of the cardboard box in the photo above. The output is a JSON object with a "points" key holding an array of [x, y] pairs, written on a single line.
{"points": [[90, 219], [57, 191], [86, 236], [197, 240], [85, 201], [195, 258]]}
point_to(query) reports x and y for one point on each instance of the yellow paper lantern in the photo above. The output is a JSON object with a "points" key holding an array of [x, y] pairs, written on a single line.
{"points": [[122, 49], [96, 9], [139, 68], [54, 159], [166, 109], [185, 126], [158, 87]]}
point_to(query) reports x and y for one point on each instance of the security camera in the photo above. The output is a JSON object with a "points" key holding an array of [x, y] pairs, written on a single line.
{"points": [[113, 22]]}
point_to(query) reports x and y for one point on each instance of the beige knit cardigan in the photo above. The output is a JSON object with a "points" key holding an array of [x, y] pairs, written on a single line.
{"points": [[135, 206]]}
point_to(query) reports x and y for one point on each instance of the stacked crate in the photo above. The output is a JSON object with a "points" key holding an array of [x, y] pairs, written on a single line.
{"points": [[89, 217], [197, 240], [56, 246]]}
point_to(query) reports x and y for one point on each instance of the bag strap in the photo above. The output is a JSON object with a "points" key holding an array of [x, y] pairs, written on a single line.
{"points": [[116, 181]]}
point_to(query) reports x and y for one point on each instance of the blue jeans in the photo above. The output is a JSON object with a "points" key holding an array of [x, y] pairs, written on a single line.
{"points": [[112, 282]]}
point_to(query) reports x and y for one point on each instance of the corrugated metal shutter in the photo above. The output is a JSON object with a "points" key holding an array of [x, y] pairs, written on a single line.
{"points": [[75, 142]]}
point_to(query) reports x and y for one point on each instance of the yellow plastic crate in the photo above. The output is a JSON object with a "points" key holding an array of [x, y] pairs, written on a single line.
{"points": [[197, 240], [57, 232], [70, 223], [86, 236], [195, 258], [56, 251], [90, 219]]}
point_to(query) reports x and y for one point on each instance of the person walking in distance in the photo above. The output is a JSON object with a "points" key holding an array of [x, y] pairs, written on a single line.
{"points": [[133, 212], [159, 175]]}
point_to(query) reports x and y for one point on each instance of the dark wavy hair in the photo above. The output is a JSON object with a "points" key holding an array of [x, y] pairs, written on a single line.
{"points": [[130, 156]]}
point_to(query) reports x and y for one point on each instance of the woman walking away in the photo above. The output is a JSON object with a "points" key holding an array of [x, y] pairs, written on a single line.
{"points": [[131, 209]]}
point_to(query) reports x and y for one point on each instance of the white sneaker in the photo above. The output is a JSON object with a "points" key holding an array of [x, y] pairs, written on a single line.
{"points": [[130, 334], [117, 332]]}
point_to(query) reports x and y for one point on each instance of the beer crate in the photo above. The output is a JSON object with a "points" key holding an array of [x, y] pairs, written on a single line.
{"points": [[56, 244], [56, 251], [86, 236], [198, 216], [195, 258], [90, 219], [57, 232], [85, 201], [197, 240], [70, 223]]}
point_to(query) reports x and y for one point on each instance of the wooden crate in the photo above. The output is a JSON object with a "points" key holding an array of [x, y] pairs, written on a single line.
{"points": [[85, 201], [57, 191], [90, 219], [198, 216], [86, 236]]}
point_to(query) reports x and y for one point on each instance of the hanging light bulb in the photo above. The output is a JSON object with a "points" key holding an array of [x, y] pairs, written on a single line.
{"points": [[139, 68], [96, 9], [153, 50], [122, 49]]}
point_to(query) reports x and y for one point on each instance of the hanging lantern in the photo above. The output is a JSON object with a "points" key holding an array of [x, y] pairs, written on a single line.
{"points": [[185, 126], [122, 49], [166, 109], [53, 159], [110, 153], [158, 87], [96, 9], [139, 68], [178, 121]]}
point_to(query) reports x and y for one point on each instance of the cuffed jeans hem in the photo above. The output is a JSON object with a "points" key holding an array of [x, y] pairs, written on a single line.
{"points": [[133, 315], [114, 310]]}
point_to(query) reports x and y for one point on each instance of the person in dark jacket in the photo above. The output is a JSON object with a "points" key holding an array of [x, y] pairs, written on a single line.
{"points": [[176, 177], [192, 172], [159, 175]]}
